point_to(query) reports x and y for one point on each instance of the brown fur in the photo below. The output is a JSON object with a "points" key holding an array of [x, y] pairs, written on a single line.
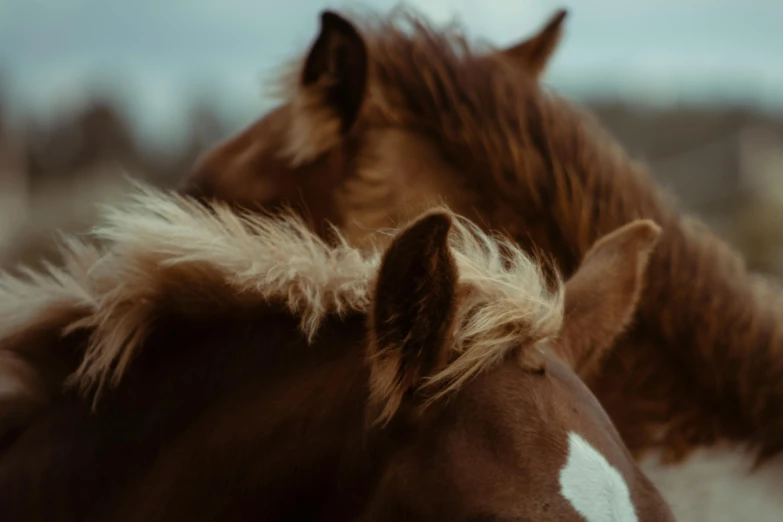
{"points": [[444, 121], [238, 382]]}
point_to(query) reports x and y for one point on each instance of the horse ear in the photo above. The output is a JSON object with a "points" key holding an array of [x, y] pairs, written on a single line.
{"points": [[413, 311], [534, 53], [337, 67], [601, 297]]}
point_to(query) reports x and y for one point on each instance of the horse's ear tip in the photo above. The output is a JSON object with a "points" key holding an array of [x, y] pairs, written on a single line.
{"points": [[556, 20], [326, 16], [330, 17], [441, 215], [334, 21], [425, 235], [439, 220], [647, 228]]}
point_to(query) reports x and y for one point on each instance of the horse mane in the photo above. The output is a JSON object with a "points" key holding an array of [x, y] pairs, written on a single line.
{"points": [[485, 115], [543, 156], [164, 254]]}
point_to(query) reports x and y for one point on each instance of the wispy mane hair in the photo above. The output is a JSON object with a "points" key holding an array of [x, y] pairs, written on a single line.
{"points": [[166, 254]]}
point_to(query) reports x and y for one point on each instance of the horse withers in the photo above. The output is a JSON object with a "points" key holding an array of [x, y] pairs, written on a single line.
{"points": [[237, 367]]}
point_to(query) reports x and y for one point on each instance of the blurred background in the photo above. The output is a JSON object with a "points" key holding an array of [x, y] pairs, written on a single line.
{"points": [[94, 90]]}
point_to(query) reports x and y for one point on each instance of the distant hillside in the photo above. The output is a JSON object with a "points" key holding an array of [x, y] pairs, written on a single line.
{"points": [[723, 163]]}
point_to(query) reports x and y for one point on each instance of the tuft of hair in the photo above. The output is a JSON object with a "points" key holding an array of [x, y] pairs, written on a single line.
{"points": [[49, 298], [504, 300], [163, 253], [167, 252]]}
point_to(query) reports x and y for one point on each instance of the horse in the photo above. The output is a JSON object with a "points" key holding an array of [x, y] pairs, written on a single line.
{"points": [[385, 114], [229, 366]]}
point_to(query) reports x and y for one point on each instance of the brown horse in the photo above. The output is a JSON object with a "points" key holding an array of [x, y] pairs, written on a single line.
{"points": [[382, 118], [242, 369]]}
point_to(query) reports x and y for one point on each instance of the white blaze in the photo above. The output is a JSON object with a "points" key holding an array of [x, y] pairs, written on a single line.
{"points": [[595, 489]]}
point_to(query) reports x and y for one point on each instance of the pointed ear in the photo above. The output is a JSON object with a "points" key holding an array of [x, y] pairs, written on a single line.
{"points": [[337, 65], [601, 297], [534, 53], [414, 305]]}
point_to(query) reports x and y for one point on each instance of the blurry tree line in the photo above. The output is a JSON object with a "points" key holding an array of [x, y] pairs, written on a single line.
{"points": [[53, 171], [723, 163], [97, 133]]}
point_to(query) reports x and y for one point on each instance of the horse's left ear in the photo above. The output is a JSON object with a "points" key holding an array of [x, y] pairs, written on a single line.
{"points": [[534, 53], [336, 68], [601, 297], [413, 311]]}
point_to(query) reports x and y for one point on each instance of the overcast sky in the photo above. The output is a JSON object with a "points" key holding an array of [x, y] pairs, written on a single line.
{"points": [[152, 49]]}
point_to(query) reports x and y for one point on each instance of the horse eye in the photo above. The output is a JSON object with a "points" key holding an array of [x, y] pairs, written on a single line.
{"points": [[539, 369]]}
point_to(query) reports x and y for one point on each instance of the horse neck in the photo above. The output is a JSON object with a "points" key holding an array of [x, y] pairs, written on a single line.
{"points": [[718, 324], [297, 418]]}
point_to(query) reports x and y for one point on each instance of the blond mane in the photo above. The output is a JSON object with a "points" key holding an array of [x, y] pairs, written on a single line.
{"points": [[167, 254]]}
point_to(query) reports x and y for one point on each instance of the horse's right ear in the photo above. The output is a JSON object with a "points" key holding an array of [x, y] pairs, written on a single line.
{"points": [[414, 303], [601, 297], [534, 53], [336, 68]]}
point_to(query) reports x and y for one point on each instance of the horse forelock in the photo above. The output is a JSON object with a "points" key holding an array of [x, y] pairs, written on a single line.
{"points": [[167, 254]]}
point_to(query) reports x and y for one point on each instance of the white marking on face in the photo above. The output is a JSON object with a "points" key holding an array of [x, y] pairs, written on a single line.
{"points": [[595, 489]]}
